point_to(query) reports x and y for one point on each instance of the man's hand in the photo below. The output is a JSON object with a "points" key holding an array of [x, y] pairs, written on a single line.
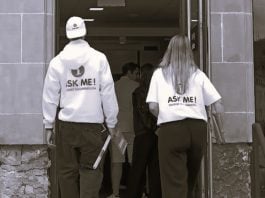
{"points": [[112, 131], [50, 138]]}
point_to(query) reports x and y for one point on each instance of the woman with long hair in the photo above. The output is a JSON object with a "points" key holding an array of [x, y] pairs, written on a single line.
{"points": [[178, 95]]}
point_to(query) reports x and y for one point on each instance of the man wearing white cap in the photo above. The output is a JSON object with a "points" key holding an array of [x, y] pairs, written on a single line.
{"points": [[79, 82]]}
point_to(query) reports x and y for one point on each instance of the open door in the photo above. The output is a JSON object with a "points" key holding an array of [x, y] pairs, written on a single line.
{"points": [[139, 31], [126, 30]]}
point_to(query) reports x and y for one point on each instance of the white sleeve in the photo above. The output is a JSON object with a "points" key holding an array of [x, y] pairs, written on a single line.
{"points": [[108, 95], [152, 95], [210, 94], [51, 96]]}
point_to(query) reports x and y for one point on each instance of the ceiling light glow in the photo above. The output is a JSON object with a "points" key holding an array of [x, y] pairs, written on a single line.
{"points": [[89, 20], [96, 9]]}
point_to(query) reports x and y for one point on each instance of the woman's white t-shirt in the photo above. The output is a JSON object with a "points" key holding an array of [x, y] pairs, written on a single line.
{"points": [[191, 104]]}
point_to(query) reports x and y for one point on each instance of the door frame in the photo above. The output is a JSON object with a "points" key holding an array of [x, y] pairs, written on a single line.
{"points": [[202, 22]]}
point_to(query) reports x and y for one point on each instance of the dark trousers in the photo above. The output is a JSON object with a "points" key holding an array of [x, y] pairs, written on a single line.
{"points": [[145, 157], [180, 146], [78, 145]]}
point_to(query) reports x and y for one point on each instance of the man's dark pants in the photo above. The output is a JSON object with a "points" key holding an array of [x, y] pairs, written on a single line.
{"points": [[145, 156], [77, 147]]}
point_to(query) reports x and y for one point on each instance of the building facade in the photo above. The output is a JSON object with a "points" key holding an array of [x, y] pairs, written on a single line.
{"points": [[27, 46]]}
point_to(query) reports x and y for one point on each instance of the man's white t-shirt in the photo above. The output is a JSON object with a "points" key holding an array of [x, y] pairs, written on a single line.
{"points": [[191, 104]]}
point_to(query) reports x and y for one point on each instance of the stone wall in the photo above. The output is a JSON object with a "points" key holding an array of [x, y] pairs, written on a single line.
{"points": [[232, 65], [26, 49], [231, 171], [233, 75], [23, 172]]}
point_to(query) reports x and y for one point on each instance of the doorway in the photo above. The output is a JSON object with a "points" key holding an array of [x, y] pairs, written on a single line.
{"points": [[131, 30], [137, 31]]}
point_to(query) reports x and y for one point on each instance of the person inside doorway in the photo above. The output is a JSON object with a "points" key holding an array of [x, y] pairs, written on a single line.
{"points": [[145, 153], [124, 88], [80, 82], [178, 94]]}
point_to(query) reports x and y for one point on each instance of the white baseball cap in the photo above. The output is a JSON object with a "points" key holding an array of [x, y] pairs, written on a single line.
{"points": [[75, 27]]}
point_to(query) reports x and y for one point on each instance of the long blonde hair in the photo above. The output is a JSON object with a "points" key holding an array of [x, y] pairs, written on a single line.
{"points": [[178, 63]]}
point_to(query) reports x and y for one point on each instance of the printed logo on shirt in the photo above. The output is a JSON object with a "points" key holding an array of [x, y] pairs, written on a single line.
{"points": [[78, 72], [81, 84], [182, 100]]}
